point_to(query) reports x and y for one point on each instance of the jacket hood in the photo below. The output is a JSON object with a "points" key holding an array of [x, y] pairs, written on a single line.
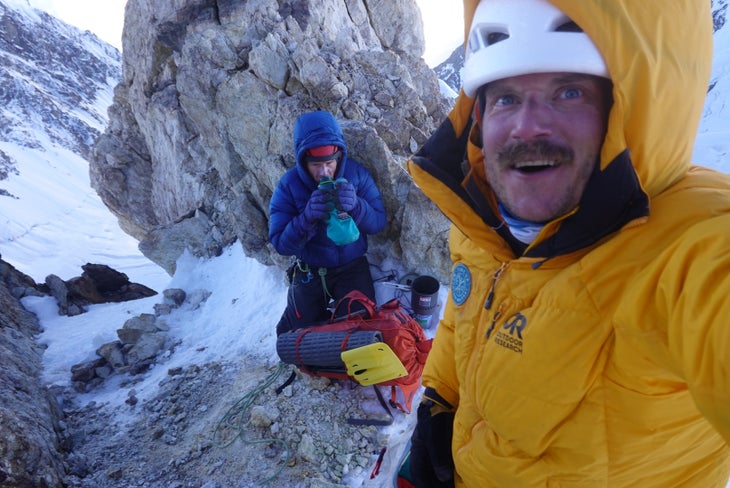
{"points": [[659, 58], [315, 129]]}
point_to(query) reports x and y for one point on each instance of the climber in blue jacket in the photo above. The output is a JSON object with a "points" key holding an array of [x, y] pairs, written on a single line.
{"points": [[321, 204]]}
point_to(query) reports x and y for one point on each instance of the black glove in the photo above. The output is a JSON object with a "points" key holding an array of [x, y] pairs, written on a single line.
{"points": [[346, 195], [432, 465], [318, 206]]}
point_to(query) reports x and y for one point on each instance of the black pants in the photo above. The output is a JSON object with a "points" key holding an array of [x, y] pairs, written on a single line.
{"points": [[307, 300]]}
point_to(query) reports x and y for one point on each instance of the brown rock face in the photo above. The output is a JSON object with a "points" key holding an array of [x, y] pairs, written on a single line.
{"points": [[200, 129]]}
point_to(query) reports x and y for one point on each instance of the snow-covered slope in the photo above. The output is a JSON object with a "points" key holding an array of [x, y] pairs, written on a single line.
{"points": [[712, 147], [56, 83]]}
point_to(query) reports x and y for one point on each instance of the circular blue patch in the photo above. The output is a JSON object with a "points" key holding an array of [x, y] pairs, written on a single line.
{"points": [[460, 283]]}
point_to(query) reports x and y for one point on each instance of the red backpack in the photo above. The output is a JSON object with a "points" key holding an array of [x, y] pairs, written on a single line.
{"points": [[388, 323]]}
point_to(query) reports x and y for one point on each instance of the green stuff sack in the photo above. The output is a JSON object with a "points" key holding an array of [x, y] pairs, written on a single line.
{"points": [[341, 229]]}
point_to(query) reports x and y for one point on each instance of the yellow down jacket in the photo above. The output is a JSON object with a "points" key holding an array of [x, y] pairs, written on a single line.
{"points": [[600, 355]]}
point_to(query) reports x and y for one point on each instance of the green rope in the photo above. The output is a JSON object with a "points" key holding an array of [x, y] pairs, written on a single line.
{"points": [[235, 420]]}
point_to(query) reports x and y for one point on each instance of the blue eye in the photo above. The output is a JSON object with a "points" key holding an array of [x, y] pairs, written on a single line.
{"points": [[571, 92], [505, 100]]}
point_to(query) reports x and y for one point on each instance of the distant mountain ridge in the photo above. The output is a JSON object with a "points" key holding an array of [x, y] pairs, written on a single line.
{"points": [[51, 75], [56, 84], [450, 70]]}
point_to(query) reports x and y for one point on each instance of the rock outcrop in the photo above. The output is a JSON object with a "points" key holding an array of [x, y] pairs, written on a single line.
{"points": [[97, 284], [140, 340], [200, 130], [32, 440], [30, 444]]}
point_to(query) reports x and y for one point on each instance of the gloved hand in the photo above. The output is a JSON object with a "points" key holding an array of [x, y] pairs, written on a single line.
{"points": [[318, 206], [432, 465], [346, 195]]}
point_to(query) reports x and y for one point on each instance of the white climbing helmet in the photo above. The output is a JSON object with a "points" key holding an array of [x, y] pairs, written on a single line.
{"points": [[518, 37]]}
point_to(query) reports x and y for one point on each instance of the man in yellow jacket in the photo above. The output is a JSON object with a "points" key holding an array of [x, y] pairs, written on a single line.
{"points": [[586, 339]]}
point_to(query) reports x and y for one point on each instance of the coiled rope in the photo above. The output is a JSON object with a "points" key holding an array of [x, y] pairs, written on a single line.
{"points": [[233, 423]]}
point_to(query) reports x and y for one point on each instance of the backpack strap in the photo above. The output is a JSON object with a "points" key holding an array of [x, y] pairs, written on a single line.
{"points": [[288, 382], [409, 391], [355, 296]]}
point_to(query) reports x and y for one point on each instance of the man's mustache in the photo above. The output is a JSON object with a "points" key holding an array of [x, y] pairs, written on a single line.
{"points": [[534, 151]]}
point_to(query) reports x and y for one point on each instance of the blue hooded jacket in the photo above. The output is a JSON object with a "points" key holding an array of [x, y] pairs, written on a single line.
{"points": [[289, 231]]}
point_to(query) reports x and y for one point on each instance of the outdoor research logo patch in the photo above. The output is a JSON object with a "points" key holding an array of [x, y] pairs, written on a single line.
{"points": [[460, 283], [510, 336]]}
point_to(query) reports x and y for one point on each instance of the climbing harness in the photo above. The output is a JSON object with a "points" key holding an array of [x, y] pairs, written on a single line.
{"points": [[322, 272]]}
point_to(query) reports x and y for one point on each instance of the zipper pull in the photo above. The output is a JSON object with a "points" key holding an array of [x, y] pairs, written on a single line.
{"points": [[490, 298], [494, 322], [490, 295]]}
